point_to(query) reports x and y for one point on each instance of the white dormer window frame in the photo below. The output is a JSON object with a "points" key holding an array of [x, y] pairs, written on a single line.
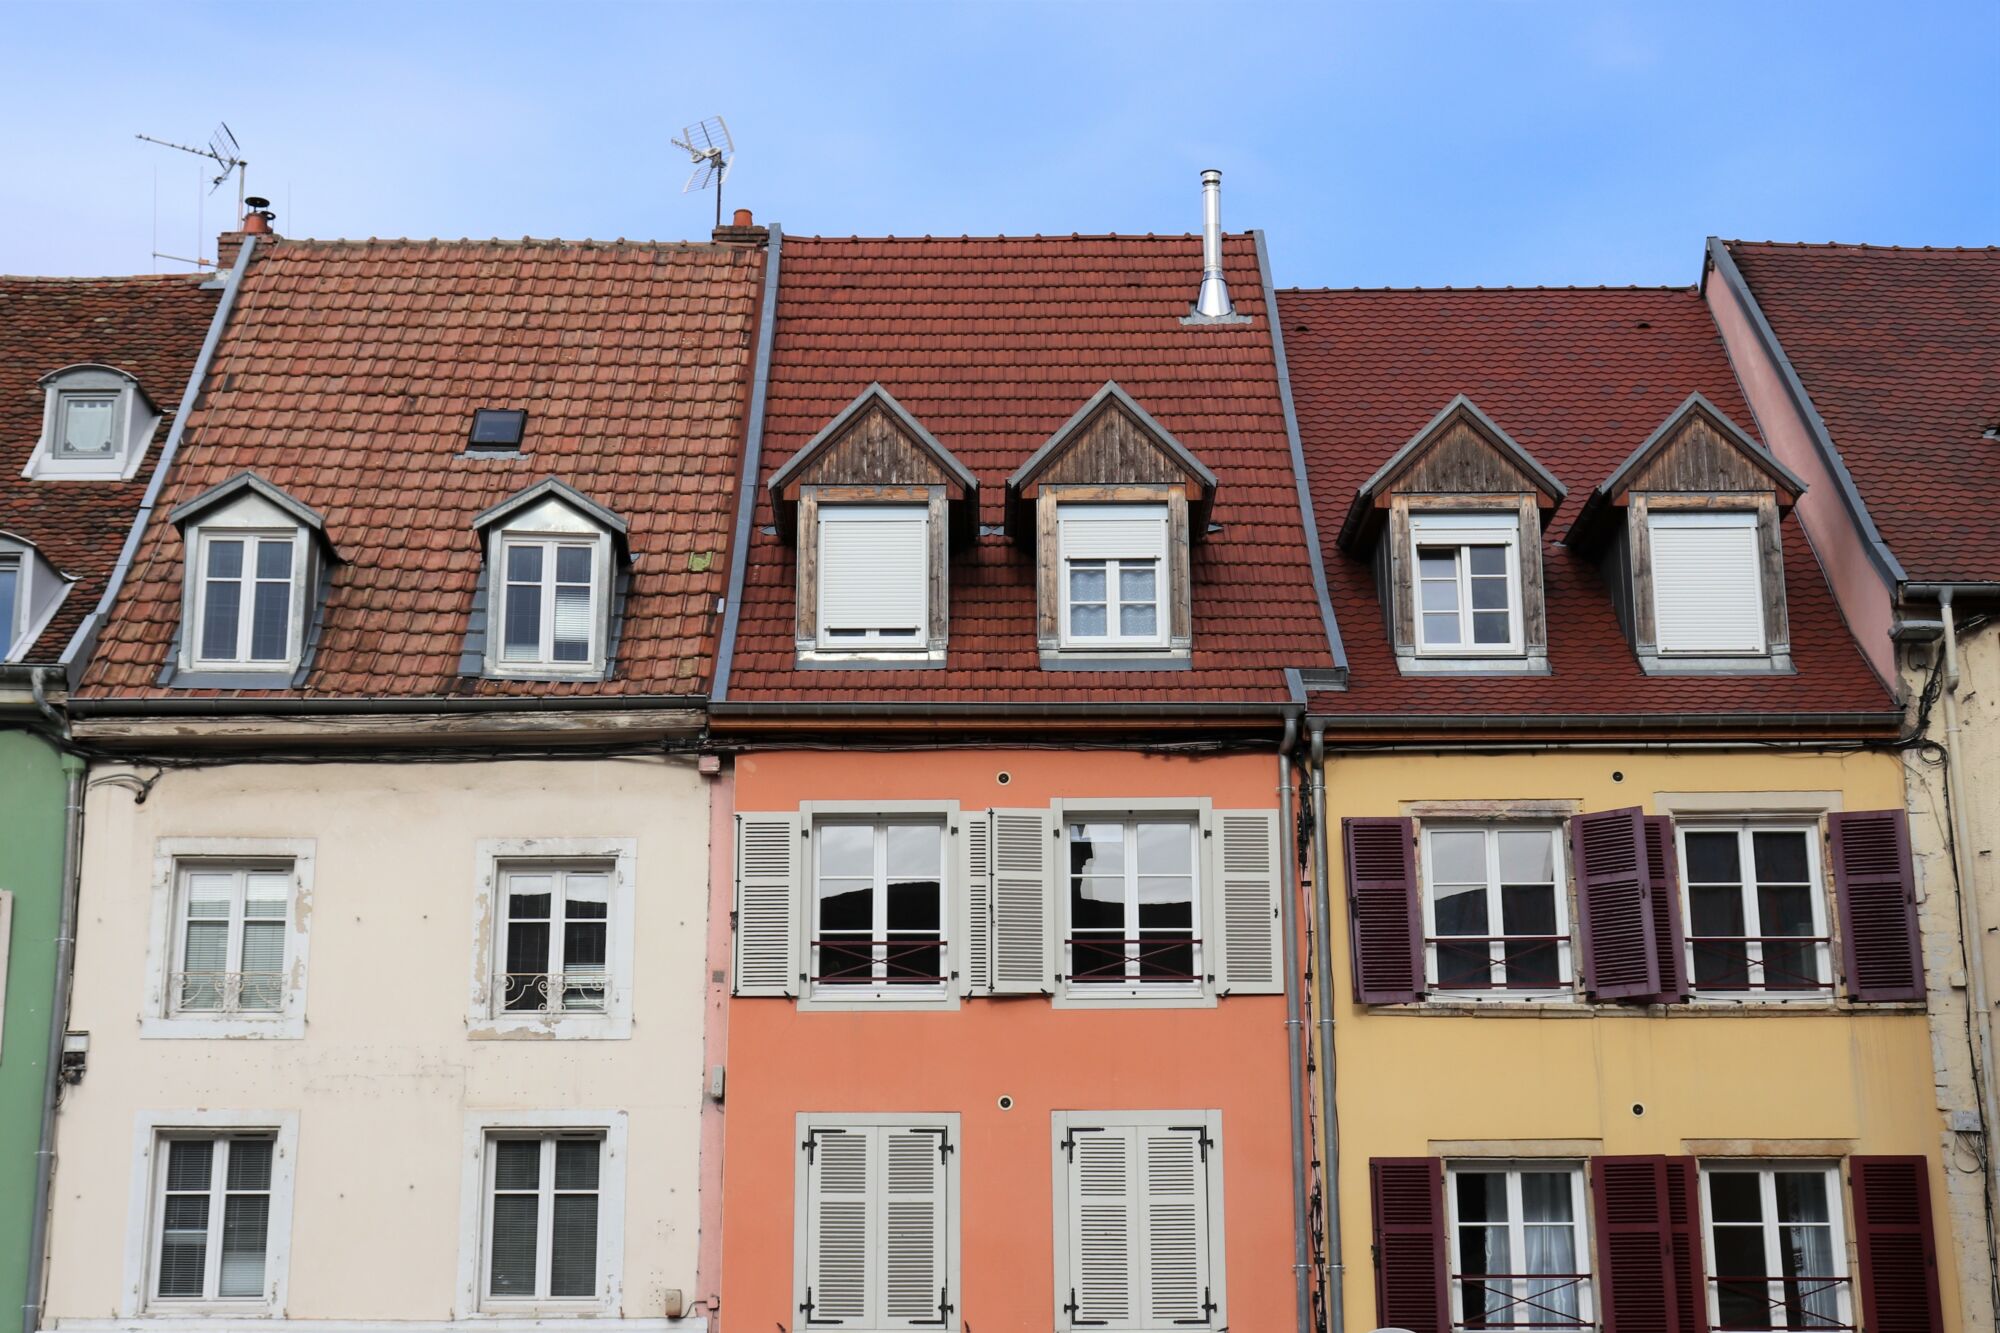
{"points": [[245, 565], [858, 605], [1735, 600], [531, 559], [1456, 597], [71, 393], [31, 591], [1109, 571]]}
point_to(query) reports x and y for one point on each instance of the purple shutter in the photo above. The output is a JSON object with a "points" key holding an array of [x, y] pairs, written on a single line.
{"points": [[1614, 905], [1407, 1194], [1635, 1249], [1876, 886], [1688, 1273], [1384, 916], [1895, 1244], [1663, 878]]}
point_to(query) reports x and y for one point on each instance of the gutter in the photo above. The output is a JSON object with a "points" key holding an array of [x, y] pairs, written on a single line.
{"points": [[753, 462], [1879, 554], [288, 707], [45, 1152], [1295, 1049], [1336, 1268], [76, 656]]}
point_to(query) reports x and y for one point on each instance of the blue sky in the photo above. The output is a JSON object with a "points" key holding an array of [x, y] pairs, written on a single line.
{"points": [[1383, 143]]}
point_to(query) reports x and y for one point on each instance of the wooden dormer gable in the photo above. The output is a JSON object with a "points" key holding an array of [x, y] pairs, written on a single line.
{"points": [[873, 450], [1462, 454], [1108, 447], [1697, 451]]}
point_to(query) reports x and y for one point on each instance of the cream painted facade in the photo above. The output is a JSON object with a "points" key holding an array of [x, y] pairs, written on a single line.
{"points": [[380, 1096], [1813, 1080]]}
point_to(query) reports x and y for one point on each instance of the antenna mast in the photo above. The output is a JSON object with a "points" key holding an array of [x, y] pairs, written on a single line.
{"points": [[225, 152], [713, 152]]}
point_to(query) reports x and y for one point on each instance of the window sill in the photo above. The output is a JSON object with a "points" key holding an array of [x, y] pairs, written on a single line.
{"points": [[886, 659], [1777, 662], [1069, 996], [580, 671], [861, 999], [1499, 664], [230, 1027], [551, 1027], [280, 677], [1110, 657], [158, 1310]]}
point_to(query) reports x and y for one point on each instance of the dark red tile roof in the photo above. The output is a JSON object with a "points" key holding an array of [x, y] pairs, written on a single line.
{"points": [[348, 375], [1579, 378], [151, 326], [1900, 352], [992, 343]]}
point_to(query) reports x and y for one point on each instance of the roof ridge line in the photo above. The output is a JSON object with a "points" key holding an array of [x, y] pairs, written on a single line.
{"points": [[1686, 288]]}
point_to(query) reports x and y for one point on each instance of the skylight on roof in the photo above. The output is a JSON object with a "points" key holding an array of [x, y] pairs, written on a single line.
{"points": [[495, 429]]}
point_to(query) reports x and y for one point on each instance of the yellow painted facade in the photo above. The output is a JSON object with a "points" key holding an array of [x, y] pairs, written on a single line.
{"points": [[1819, 1080]]}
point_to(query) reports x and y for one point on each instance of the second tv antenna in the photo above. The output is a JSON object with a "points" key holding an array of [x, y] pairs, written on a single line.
{"points": [[709, 144]]}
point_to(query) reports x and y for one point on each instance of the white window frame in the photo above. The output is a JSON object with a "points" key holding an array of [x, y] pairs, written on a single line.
{"points": [[69, 398], [1149, 994], [1744, 829], [235, 924], [40, 589], [1134, 986], [879, 992], [481, 1128], [1733, 519], [151, 1131], [252, 539], [1512, 1167], [804, 1123], [134, 420], [10, 624], [1062, 1123], [493, 858], [873, 639], [1765, 1169], [1565, 988], [1080, 512], [161, 1017], [549, 543], [1460, 531]]}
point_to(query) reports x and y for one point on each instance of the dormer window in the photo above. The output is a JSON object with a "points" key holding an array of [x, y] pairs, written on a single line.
{"points": [[1468, 572], [96, 424], [246, 598], [551, 595], [1113, 559], [1707, 594], [255, 569], [550, 588], [874, 576], [30, 591]]}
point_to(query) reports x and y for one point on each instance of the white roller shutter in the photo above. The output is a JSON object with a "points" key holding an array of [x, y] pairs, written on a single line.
{"points": [[1707, 594], [1023, 903], [768, 856], [874, 569], [1248, 902], [1113, 532]]}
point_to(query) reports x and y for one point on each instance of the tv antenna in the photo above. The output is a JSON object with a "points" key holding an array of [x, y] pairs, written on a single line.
{"points": [[708, 143], [226, 153]]}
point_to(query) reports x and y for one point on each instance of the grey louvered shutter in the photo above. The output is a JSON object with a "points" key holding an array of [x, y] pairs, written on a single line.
{"points": [[768, 856], [1023, 903], [1248, 903], [840, 1240], [1174, 1262], [1103, 1229], [975, 961], [915, 1288]]}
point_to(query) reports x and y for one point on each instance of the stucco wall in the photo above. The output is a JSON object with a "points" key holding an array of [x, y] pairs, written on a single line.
{"points": [[1410, 1081], [386, 1074]]}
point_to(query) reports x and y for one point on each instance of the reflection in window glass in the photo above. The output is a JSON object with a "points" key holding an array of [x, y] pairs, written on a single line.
{"points": [[1498, 921], [1755, 915], [1777, 1261], [879, 902], [1517, 1247], [1132, 902], [87, 420]]}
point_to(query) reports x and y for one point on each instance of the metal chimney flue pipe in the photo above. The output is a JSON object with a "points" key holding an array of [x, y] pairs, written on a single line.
{"points": [[1213, 300]]}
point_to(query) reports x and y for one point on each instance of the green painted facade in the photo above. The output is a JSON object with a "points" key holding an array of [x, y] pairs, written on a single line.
{"points": [[31, 847]]}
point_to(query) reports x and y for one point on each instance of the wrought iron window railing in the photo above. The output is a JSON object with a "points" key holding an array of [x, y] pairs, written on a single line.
{"points": [[1809, 1304], [898, 960], [552, 992], [1541, 1301], [228, 992], [1150, 960]]}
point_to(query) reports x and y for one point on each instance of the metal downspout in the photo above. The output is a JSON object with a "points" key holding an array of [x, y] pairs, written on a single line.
{"points": [[45, 1153], [1980, 1010], [1329, 1082], [1295, 1051]]}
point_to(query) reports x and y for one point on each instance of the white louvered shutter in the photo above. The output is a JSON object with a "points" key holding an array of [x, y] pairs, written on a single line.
{"points": [[1103, 1228], [840, 1227], [1247, 903], [975, 966], [768, 856], [1113, 532], [1023, 903], [1707, 594], [1173, 1186], [874, 568], [914, 1219]]}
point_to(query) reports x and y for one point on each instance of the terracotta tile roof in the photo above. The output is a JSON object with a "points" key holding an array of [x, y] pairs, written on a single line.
{"points": [[1579, 377], [992, 343], [1900, 352], [151, 326], [348, 376]]}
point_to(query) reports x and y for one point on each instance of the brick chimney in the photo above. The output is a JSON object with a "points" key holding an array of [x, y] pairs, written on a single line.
{"points": [[256, 222], [741, 231]]}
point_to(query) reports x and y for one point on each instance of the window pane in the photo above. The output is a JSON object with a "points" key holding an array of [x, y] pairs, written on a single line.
{"points": [[245, 1231], [263, 974], [1458, 857], [1526, 858], [1488, 562], [1801, 1196], [1712, 858], [524, 620], [270, 622], [1086, 581], [222, 604], [1530, 910], [916, 851], [250, 1164], [1441, 629], [513, 1244], [87, 424], [1165, 849], [1136, 581], [1088, 621], [1546, 1197], [1482, 1197], [1733, 1197], [1097, 903], [577, 1163], [584, 947], [274, 559], [1166, 904], [190, 1164], [1490, 627], [587, 897], [1780, 857], [572, 623], [517, 1164], [846, 905], [1489, 594], [1440, 595], [1438, 562], [1462, 911], [1097, 849], [573, 1265], [1139, 622], [524, 564], [573, 564], [183, 1244], [10, 578], [914, 905], [846, 850]]}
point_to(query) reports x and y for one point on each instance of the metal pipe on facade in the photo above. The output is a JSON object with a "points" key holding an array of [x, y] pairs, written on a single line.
{"points": [[45, 1152], [1329, 1082], [1295, 1051]]}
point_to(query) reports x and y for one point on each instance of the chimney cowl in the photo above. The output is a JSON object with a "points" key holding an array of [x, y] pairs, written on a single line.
{"points": [[1212, 304], [741, 231]]}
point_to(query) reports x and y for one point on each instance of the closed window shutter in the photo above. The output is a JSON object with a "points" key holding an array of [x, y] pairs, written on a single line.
{"points": [[1023, 903], [1707, 596], [768, 853], [1174, 1239], [873, 571], [1251, 882], [1614, 905], [1874, 880], [1384, 917], [1648, 1244], [914, 1283], [1113, 532], [841, 1228], [976, 967], [1663, 876], [1407, 1194], [1103, 1228], [1895, 1246]]}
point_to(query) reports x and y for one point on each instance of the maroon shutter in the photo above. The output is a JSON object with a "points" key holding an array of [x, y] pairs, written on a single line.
{"points": [[1384, 916], [1689, 1274], [1408, 1198], [1663, 877], [1873, 879], [1898, 1251], [1635, 1250], [1614, 905]]}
